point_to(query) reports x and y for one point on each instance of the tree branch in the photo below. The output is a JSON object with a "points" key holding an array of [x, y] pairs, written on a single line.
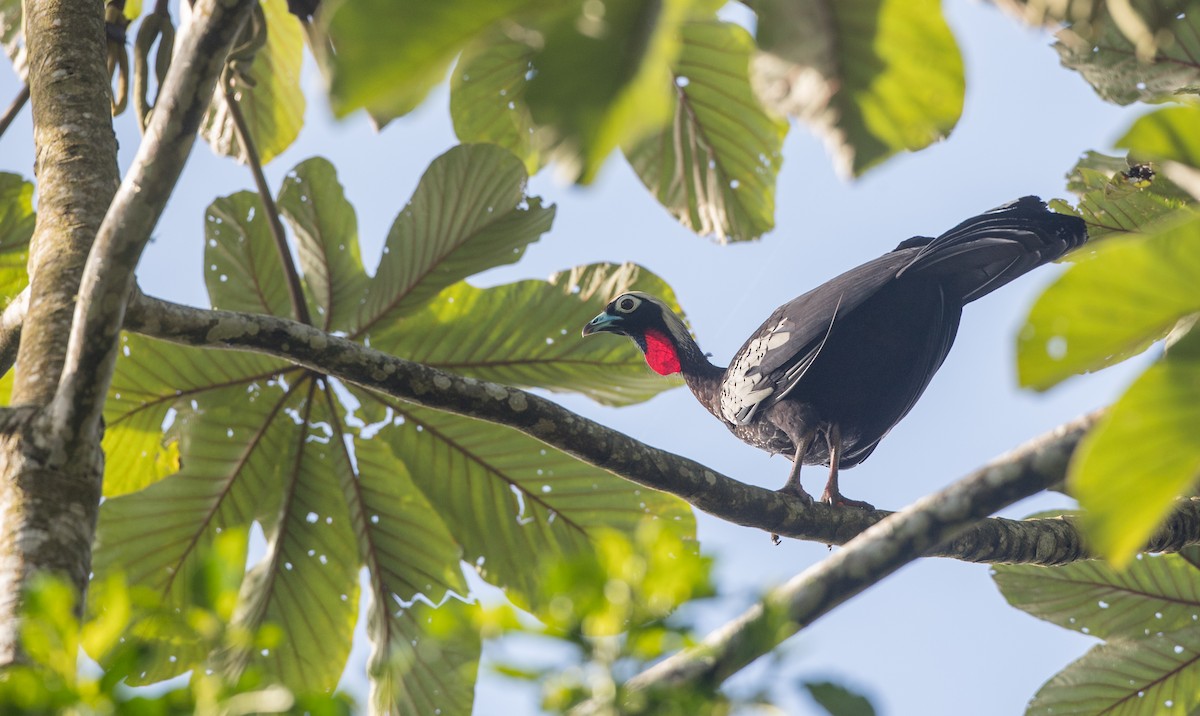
{"points": [[10, 329], [14, 109], [109, 274], [1038, 465]]}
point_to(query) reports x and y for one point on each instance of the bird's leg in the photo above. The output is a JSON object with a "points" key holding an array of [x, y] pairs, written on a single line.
{"points": [[833, 438], [792, 486]]}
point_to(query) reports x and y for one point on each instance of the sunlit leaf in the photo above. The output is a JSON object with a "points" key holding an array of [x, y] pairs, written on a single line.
{"points": [[417, 668], [241, 262], [326, 231], [1167, 133], [11, 36], [469, 213], [16, 228], [154, 380], [1145, 453], [513, 502], [390, 53], [714, 165], [1154, 675], [1164, 65], [475, 332], [306, 584], [602, 78], [487, 96], [1114, 198], [274, 104], [1162, 591], [873, 77], [1112, 304]]}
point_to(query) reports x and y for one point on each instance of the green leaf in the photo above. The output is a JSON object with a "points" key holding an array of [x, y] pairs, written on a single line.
{"points": [[1159, 591], [155, 379], [469, 213], [475, 332], [837, 700], [873, 77], [390, 53], [273, 104], [241, 261], [326, 231], [16, 228], [1154, 675], [1113, 304], [11, 36], [487, 96], [603, 78], [714, 167], [513, 502], [1163, 65], [307, 582], [1114, 198], [1145, 453], [418, 668], [1167, 133]]}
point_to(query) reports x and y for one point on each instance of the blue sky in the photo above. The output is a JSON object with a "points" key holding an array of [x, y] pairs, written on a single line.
{"points": [[936, 638]]}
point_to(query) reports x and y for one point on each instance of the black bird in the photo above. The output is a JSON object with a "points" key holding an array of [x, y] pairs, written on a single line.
{"points": [[831, 372]]}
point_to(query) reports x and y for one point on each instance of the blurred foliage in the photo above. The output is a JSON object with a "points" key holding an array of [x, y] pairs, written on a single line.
{"points": [[837, 700], [131, 625], [1149, 661], [16, 228]]}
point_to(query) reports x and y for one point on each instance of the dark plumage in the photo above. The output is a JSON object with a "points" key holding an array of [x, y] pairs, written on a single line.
{"points": [[832, 371]]}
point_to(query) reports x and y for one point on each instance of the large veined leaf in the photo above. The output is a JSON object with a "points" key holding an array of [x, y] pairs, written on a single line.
{"points": [[1144, 454], [272, 101], [714, 165], [154, 380], [418, 669], [16, 228], [469, 213], [476, 332], [873, 77], [306, 584], [1092, 597], [602, 79], [1156, 675], [1161, 62], [487, 96], [11, 36], [513, 502], [241, 263], [1167, 133], [326, 231], [1129, 293], [1116, 197], [390, 53]]}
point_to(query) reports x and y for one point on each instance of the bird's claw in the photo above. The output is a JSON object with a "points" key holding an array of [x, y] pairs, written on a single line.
{"points": [[837, 500]]}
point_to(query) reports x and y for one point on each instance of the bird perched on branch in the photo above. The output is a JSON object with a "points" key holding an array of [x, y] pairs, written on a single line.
{"points": [[831, 372]]}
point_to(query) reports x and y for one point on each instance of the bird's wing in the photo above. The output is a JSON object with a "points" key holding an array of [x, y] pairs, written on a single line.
{"points": [[792, 337]]}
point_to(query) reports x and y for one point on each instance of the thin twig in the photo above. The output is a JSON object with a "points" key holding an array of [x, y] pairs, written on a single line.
{"points": [[10, 329], [292, 276], [14, 109]]}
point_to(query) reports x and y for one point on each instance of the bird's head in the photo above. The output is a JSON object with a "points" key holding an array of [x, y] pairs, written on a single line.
{"points": [[653, 326]]}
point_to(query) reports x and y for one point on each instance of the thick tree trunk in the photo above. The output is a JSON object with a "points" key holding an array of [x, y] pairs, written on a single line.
{"points": [[49, 497]]}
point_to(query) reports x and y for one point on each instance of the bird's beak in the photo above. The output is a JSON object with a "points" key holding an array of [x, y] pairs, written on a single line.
{"points": [[604, 323]]}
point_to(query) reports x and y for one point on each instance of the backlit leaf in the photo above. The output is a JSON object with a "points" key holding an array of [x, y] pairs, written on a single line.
{"points": [[872, 77], [549, 353], [241, 263], [714, 165], [1112, 304], [469, 213], [274, 104], [326, 231], [16, 228], [1167, 133], [1115, 199], [1144, 454], [487, 96]]}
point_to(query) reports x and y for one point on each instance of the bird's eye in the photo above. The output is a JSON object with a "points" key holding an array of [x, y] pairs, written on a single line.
{"points": [[627, 304]]}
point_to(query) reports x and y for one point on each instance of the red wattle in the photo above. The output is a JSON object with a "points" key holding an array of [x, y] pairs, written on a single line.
{"points": [[660, 354]]}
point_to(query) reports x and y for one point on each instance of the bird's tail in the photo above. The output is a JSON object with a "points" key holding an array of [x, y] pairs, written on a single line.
{"points": [[987, 251]]}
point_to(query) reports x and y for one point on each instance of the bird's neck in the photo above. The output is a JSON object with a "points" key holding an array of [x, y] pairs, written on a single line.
{"points": [[681, 355]]}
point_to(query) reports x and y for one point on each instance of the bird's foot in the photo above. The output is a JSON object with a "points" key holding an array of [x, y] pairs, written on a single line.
{"points": [[838, 500], [793, 489]]}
